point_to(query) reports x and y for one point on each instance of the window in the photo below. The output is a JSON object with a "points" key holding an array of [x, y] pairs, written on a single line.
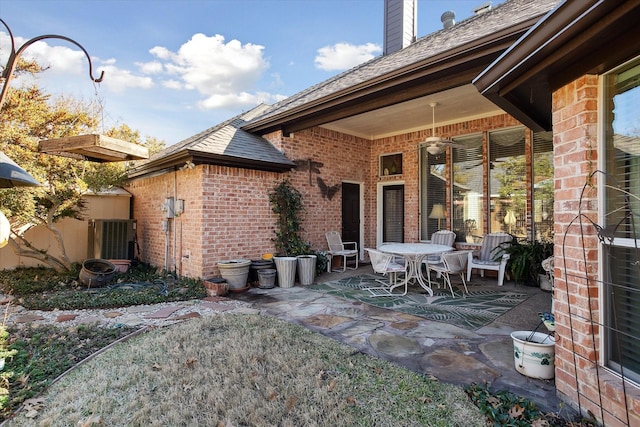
{"points": [[621, 280], [508, 182], [433, 191], [391, 164], [543, 186], [467, 173]]}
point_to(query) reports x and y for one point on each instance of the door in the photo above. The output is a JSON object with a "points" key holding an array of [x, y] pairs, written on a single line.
{"points": [[393, 213], [351, 213]]}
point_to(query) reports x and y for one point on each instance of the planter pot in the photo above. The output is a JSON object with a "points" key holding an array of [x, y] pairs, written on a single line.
{"points": [[236, 273], [306, 268], [96, 273], [545, 283], [216, 287], [122, 265], [256, 266], [286, 268], [534, 354], [266, 278]]}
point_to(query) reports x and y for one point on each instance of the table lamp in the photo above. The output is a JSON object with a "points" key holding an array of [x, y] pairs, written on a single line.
{"points": [[510, 219], [437, 212]]}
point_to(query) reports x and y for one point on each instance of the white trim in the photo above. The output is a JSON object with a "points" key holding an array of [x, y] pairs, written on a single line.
{"points": [[380, 186]]}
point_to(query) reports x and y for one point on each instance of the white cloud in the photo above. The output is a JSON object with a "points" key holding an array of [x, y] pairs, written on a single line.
{"points": [[153, 67], [117, 79], [225, 73], [172, 84], [343, 56]]}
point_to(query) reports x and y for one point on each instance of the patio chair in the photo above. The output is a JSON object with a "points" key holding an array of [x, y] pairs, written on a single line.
{"points": [[485, 258], [385, 264], [339, 248], [451, 263], [442, 237]]}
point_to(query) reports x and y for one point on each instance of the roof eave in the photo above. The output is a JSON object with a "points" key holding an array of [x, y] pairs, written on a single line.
{"points": [[180, 158], [450, 69], [574, 39]]}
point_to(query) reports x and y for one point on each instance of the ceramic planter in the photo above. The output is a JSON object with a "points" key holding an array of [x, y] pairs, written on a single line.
{"points": [[286, 268], [236, 273], [534, 354], [306, 268]]}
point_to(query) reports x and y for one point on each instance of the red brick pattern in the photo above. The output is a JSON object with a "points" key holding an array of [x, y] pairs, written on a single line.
{"points": [[579, 377]]}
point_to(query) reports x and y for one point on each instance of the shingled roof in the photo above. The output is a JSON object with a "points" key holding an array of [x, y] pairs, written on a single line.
{"points": [[224, 144], [506, 21]]}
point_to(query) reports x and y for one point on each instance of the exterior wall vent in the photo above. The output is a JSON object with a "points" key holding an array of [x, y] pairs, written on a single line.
{"points": [[111, 238]]}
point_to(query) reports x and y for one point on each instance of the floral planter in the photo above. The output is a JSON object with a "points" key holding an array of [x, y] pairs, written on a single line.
{"points": [[306, 269], [236, 273], [534, 354], [286, 268]]}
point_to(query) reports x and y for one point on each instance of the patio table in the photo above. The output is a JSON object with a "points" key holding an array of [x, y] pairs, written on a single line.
{"points": [[414, 254]]}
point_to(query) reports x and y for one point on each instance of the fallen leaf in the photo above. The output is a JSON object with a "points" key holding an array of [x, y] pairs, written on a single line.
{"points": [[424, 399], [156, 367], [91, 421], [494, 401], [290, 403], [272, 396], [332, 385], [516, 411], [190, 362], [442, 406], [351, 400]]}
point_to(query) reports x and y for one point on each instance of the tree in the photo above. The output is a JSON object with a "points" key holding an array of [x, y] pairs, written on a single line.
{"points": [[28, 116]]}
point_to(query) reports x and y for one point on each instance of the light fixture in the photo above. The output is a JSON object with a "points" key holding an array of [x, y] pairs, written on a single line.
{"points": [[436, 144], [97, 148], [12, 175], [438, 212], [510, 219], [435, 149]]}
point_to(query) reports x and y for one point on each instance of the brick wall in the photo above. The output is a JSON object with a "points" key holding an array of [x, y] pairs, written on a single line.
{"points": [[576, 265], [227, 211]]}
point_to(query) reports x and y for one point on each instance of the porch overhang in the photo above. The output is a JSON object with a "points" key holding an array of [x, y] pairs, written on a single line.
{"points": [[448, 70], [574, 39]]}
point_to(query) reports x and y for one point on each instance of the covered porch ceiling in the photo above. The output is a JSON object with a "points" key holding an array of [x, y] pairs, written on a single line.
{"points": [[453, 106]]}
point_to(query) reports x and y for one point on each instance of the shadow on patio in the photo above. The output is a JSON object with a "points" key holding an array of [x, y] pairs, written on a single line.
{"points": [[449, 352]]}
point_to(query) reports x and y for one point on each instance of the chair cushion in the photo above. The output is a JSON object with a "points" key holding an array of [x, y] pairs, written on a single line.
{"points": [[482, 262]]}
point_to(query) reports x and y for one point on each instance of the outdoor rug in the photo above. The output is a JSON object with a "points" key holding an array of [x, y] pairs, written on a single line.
{"points": [[470, 311]]}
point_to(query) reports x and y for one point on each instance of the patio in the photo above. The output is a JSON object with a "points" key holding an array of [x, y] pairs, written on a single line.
{"points": [[450, 353]]}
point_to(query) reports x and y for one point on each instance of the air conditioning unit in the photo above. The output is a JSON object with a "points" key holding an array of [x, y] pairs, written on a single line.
{"points": [[112, 238]]}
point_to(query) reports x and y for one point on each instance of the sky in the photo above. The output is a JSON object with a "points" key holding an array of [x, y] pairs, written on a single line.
{"points": [[173, 68]]}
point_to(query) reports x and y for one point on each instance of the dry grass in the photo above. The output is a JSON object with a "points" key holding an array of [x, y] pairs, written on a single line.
{"points": [[242, 370]]}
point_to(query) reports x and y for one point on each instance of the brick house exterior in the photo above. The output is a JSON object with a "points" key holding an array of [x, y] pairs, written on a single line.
{"points": [[597, 37], [542, 70]]}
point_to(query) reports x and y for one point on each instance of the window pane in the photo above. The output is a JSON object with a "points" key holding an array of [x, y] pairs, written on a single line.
{"points": [[433, 187], [622, 219], [508, 182], [543, 186], [468, 210]]}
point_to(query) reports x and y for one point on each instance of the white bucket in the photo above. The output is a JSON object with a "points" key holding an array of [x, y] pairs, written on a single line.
{"points": [[534, 354], [286, 268]]}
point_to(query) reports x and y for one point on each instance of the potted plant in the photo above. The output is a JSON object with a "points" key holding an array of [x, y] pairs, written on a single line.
{"points": [[286, 203], [525, 259]]}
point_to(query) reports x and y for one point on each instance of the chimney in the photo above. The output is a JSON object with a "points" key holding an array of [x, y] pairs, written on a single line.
{"points": [[400, 24], [448, 19]]}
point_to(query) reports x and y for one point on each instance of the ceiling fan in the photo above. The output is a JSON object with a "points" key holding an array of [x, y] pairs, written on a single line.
{"points": [[436, 144]]}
